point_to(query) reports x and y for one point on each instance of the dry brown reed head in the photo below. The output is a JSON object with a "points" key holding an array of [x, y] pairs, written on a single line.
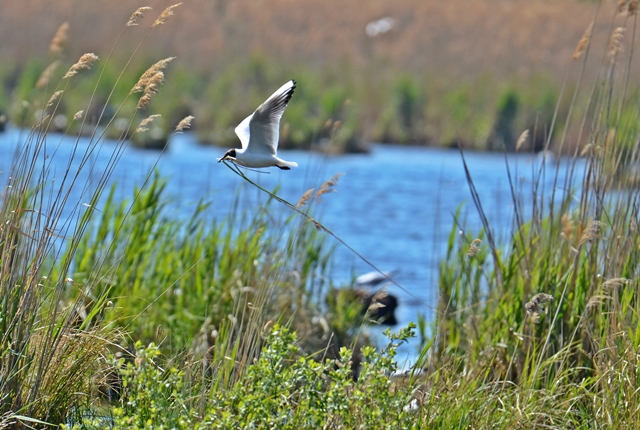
{"points": [[137, 14], [375, 300], [54, 97], [583, 43], [185, 124], [568, 227], [305, 198], [59, 38], [613, 283], [615, 44], [148, 75], [591, 232], [596, 301], [318, 226], [45, 76], [586, 150], [83, 63], [621, 7], [166, 14], [524, 136], [535, 306], [627, 7], [328, 187], [78, 115], [151, 88], [474, 248], [145, 122]]}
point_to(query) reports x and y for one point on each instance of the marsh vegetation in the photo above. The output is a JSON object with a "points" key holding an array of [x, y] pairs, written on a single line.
{"points": [[118, 315]]}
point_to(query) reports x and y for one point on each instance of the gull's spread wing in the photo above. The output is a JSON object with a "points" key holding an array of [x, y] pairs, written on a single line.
{"points": [[262, 130], [243, 132]]}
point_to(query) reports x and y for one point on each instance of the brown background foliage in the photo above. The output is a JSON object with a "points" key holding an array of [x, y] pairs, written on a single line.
{"points": [[458, 37]]}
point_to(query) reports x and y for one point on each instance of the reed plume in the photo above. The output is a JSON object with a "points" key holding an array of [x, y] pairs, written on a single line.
{"points": [[474, 248], [583, 43], [148, 75], [185, 124], [305, 198], [59, 38], [145, 122], [524, 136], [535, 306], [45, 76], [586, 150], [628, 7], [591, 232], [328, 187], [166, 14], [614, 283], [54, 97], [621, 7], [376, 300], [151, 88], [615, 44], [139, 13], [78, 115], [83, 63]]}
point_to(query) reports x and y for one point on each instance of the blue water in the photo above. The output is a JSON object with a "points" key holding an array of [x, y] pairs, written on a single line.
{"points": [[395, 206]]}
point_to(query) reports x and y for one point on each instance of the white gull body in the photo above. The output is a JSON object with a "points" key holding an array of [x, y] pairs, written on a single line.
{"points": [[259, 133]]}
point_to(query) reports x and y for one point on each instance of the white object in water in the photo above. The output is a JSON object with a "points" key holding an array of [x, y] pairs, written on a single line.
{"points": [[372, 279], [379, 26]]}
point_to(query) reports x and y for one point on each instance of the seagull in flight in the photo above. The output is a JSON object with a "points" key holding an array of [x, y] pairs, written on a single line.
{"points": [[260, 131]]}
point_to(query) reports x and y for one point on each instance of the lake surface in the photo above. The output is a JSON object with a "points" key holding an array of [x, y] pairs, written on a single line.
{"points": [[395, 206]]}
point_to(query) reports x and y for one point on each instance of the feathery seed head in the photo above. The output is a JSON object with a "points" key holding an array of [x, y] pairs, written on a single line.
{"points": [[615, 44], [586, 150], [54, 97], [149, 74], [59, 38], [591, 232], [305, 198], [614, 283], [83, 63], [535, 306], [185, 124], [583, 43], [621, 6], [376, 300], [143, 124], [150, 89], [474, 248], [328, 187], [139, 13], [524, 136], [166, 14], [78, 115], [45, 76]]}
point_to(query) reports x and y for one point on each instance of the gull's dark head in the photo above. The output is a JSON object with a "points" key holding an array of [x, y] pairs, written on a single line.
{"points": [[229, 154]]}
